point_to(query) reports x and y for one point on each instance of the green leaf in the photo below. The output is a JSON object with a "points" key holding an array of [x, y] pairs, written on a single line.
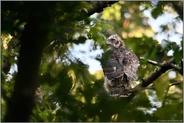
{"points": [[158, 10], [177, 55], [81, 39], [161, 85]]}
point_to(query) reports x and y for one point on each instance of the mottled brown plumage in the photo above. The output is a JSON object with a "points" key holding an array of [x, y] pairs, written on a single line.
{"points": [[120, 67]]}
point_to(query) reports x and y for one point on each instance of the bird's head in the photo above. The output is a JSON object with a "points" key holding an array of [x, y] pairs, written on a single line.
{"points": [[114, 42]]}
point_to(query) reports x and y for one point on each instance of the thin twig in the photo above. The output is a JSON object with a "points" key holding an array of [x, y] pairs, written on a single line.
{"points": [[150, 88], [180, 70], [163, 102], [166, 93], [150, 61], [174, 83]]}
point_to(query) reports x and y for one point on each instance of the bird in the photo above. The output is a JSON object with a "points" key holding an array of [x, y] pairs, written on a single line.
{"points": [[119, 66], [38, 95]]}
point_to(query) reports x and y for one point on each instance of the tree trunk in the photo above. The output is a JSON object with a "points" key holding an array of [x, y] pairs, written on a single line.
{"points": [[32, 42]]}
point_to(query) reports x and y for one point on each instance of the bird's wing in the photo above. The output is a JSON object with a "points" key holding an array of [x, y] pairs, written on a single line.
{"points": [[130, 63], [111, 65], [121, 61]]}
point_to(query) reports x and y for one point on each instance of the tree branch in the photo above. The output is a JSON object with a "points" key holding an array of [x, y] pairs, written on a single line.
{"points": [[152, 77], [32, 41], [179, 8], [179, 69], [98, 6], [150, 61]]}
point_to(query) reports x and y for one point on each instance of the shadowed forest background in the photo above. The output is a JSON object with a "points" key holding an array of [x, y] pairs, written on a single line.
{"points": [[41, 80]]}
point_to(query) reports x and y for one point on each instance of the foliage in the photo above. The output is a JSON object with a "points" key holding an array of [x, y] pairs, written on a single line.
{"points": [[70, 92]]}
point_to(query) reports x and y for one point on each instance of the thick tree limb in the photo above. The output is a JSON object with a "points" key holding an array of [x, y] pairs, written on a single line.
{"points": [[32, 43]]}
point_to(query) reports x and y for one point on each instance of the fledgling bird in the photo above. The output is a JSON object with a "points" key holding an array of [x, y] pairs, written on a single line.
{"points": [[120, 67], [38, 95]]}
